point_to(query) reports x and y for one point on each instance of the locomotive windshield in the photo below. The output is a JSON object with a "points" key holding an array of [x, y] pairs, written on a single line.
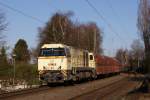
{"points": [[52, 52]]}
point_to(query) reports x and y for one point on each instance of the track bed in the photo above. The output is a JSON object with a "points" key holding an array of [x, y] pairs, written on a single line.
{"points": [[92, 89]]}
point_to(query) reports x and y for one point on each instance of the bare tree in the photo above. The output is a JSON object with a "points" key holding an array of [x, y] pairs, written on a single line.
{"points": [[121, 56], [136, 54], [56, 29], [144, 28], [138, 49], [61, 29], [3, 26]]}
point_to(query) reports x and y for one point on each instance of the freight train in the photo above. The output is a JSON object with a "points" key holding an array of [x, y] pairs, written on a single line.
{"points": [[62, 63]]}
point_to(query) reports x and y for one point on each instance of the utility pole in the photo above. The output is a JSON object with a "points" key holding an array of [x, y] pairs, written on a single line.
{"points": [[94, 41], [14, 69]]}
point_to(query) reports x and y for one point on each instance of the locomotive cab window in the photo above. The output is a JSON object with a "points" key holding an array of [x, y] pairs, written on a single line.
{"points": [[52, 52], [91, 57]]}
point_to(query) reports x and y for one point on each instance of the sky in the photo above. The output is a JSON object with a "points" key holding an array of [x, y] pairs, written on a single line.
{"points": [[120, 14]]}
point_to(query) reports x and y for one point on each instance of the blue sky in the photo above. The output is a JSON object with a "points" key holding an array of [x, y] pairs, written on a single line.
{"points": [[121, 14]]}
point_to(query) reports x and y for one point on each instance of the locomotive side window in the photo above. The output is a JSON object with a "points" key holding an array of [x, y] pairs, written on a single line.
{"points": [[91, 57], [52, 52]]}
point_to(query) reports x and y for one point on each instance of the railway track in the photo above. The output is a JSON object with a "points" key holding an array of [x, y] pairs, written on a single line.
{"points": [[108, 92], [23, 92], [103, 91]]}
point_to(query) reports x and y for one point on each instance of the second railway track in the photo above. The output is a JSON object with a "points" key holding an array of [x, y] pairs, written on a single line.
{"points": [[23, 92]]}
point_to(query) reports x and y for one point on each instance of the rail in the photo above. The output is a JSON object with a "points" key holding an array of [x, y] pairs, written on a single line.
{"points": [[89, 92], [111, 87], [22, 92]]}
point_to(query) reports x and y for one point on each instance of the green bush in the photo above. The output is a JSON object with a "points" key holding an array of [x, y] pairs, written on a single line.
{"points": [[27, 73], [5, 71]]}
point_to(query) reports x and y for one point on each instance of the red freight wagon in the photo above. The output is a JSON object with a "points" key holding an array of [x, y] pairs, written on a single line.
{"points": [[106, 65]]}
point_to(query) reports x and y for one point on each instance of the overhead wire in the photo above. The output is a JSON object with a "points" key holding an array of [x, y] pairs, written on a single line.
{"points": [[116, 15], [104, 19], [21, 12]]}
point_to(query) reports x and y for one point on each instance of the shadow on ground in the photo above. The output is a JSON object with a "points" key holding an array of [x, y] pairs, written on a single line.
{"points": [[136, 78], [142, 92], [144, 87]]}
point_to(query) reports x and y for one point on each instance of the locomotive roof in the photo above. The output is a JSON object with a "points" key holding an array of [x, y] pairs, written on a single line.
{"points": [[53, 46], [59, 45]]}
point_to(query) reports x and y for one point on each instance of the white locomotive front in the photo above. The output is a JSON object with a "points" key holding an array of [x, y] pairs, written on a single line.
{"points": [[59, 63]]}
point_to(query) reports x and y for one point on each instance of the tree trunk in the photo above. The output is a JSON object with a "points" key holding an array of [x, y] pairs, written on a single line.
{"points": [[146, 38]]}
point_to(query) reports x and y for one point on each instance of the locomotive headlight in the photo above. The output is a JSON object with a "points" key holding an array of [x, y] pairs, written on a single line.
{"points": [[41, 72]]}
